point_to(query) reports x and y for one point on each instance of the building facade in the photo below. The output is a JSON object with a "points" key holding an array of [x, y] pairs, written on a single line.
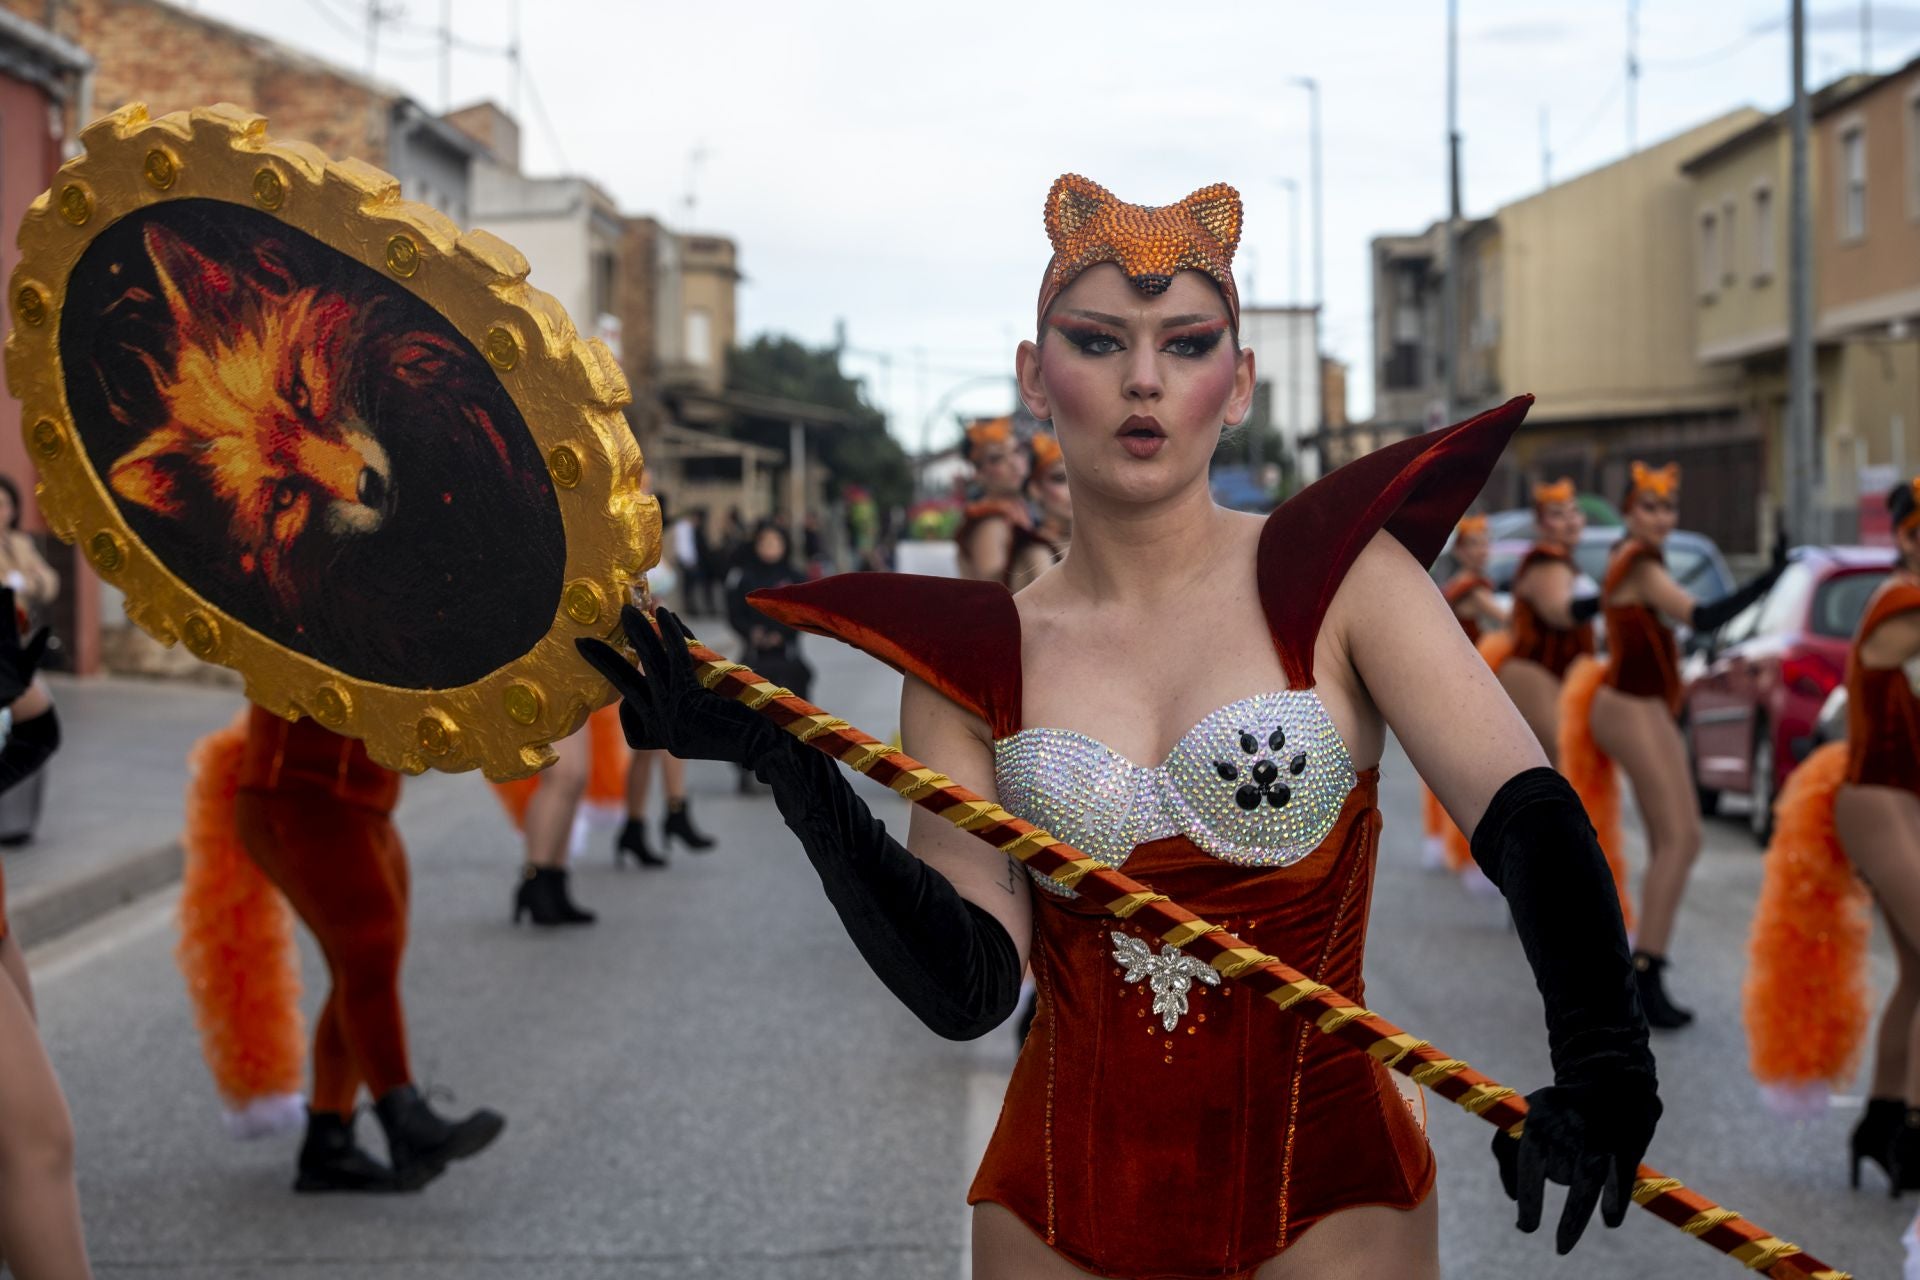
{"points": [[1287, 392]]}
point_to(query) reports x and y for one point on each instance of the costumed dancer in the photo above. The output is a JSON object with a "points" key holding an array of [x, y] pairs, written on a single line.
{"points": [[1551, 626], [1625, 712], [987, 537], [1847, 833], [288, 805], [1038, 549], [40, 1231], [1261, 661], [1470, 595], [589, 772]]}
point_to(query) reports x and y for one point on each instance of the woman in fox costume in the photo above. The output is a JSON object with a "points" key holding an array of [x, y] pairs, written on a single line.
{"points": [[1038, 549], [289, 806], [1551, 627], [1623, 712], [1470, 594], [1259, 662], [989, 531], [1851, 814], [40, 1231]]}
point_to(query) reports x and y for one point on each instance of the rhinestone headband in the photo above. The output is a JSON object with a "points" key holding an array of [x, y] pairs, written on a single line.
{"points": [[1150, 244]]}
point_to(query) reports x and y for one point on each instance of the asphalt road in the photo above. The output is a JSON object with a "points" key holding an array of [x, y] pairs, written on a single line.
{"points": [[710, 1083]]}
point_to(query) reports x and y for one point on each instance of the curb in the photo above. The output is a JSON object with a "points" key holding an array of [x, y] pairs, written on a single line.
{"points": [[39, 917]]}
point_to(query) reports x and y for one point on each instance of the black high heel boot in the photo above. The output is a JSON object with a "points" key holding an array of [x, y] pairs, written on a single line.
{"points": [[543, 895], [633, 840], [1661, 1011], [1903, 1154], [422, 1143], [330, 1160], [1873, 1138], [679, 826]]}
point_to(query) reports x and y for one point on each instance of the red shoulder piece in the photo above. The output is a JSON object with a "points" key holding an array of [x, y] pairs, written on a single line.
{"points": [[1544, 553], [960, 636], [1417, 490], [1894, 597], [1630, 552]]}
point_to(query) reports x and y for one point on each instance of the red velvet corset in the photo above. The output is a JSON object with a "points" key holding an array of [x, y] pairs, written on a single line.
{"points": [[1203, 1149], [300, 753], [1537, 640], [1883, 715], [1642, 658], [1110, 1116]]}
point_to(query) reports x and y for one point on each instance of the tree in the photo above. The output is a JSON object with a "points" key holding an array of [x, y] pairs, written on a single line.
{"points": [[863, 453]]}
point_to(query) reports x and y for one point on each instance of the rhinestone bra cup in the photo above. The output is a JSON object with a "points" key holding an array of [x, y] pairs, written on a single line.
{"points": [[1259, 783]]}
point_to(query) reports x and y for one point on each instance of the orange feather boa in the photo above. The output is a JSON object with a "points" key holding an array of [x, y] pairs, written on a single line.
{"points": [[1590, 771], [236, 946], [1805, 998]]}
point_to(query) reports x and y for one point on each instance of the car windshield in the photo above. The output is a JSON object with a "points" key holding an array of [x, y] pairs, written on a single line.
{"points": [[1687, 562], [1840, 601]]}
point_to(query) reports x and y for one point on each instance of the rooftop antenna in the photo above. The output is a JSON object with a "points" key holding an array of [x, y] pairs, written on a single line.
{"points": [[695, 159], [513, 58], [1633, 75]]}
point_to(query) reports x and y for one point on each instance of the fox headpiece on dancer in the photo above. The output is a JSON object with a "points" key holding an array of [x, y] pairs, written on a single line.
{"points": [[1661, 482], [1150, 244], [1903, 504], [985, 434]]}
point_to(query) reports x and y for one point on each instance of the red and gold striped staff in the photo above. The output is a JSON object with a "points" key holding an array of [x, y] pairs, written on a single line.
{"points": [[1327, 1009]]}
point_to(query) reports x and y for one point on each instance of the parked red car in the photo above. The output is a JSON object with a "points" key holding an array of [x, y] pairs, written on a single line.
{"points": [[1750, 710]]}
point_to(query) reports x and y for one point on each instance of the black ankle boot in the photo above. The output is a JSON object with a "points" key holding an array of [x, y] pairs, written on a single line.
{"points": [[1661, 1011], [633, 840], [422, 1143], [1903, 1155], [543, 895], [679, 826], [330, 1160], [1873, 1138]]}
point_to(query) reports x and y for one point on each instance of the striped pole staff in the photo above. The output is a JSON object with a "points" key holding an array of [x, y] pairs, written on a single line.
{"points": [[1327, 1009]]}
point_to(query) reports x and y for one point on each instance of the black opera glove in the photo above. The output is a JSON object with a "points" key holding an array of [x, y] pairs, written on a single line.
{"points": [[1591, 1127], [18, 662], [1583, 608], [667, 707], [946, 959], [1711, 617]]}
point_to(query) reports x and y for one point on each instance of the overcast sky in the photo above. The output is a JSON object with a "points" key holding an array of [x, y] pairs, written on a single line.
{"points": [[884, 164]]}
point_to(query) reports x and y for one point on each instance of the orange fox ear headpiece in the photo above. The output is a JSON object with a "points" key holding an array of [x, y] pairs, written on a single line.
{"points": [[1046, 451], [1560, 490], [987, 431], [1150, 244], [1663, 483], [1471, 527], [1912, 519]]}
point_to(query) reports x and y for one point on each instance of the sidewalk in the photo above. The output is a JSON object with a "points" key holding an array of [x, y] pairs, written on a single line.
{"points": [[115, 796]]}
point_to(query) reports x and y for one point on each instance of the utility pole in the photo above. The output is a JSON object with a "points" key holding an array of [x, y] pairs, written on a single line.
{"points": [[513, 58], [1312, 86], [1800, 367], [1450, 281], [1633, 76]]}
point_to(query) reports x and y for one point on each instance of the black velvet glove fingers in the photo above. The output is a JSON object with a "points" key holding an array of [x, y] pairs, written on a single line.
{"points": [[1711, 617], [1583, 608], [668, 708], [18, 661], [945, 958], [1591, 1127]]}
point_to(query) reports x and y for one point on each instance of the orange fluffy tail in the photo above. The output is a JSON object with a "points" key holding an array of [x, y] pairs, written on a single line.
{"points": [[237, 952], [1589, 769], [1496, 647], [1433, 818], [1805, 997]]}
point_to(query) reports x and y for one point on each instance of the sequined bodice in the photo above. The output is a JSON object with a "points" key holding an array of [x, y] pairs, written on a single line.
{"points": [[1260, 782]]}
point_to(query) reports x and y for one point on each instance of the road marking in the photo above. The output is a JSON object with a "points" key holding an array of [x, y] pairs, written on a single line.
{"points": [[67, 954]]}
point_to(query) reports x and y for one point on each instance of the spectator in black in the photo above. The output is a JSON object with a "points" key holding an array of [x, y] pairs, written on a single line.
{"points": [[768, 647]]}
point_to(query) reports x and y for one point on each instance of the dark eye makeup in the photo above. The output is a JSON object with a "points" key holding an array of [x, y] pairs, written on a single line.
{"points": [[1190, 343]]}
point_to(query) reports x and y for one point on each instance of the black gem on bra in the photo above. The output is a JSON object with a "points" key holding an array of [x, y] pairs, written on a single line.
{"points": [[1227, 772], [1298, 765], [1277, 795], [1266, 771], [1248, 743], [1248, 796], [1277, 739]]}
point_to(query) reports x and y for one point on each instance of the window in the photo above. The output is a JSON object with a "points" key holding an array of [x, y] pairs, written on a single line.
{"points": [[601, 284], [1913, 153], [1762, 234], [1709, 253], [1842, 602], [699, 338], [1729, 244], [1853, 183]]}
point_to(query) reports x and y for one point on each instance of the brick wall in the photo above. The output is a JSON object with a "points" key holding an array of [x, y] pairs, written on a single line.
{"points": [[152, 52]]}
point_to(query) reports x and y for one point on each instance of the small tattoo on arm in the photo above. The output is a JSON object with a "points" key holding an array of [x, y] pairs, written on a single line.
{"points": [[1013, 874]]}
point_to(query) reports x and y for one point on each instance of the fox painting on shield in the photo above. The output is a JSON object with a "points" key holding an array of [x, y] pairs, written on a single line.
{"points": [[309, 446]]}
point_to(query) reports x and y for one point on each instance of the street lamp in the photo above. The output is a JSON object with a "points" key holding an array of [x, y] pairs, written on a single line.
{"points": [[1292, 434], [1312, 87]]}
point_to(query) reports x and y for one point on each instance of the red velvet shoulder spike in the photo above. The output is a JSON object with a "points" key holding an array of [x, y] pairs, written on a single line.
{"points": [[1416, 490], [960, 636]]}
